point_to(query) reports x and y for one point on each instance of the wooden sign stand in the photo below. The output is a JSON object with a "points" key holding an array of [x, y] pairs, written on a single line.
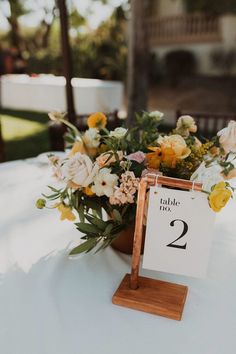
{"points": [[144, 294]]}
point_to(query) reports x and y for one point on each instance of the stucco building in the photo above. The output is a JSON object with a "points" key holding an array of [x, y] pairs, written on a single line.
{"points": [[171, 28]]}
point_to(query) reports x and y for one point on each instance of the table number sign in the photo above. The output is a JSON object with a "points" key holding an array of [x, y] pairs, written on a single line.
{"points": [[183, 250], [179, 232]]}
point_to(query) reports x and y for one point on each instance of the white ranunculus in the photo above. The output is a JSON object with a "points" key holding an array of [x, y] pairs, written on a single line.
{"points": [[157, 115], [208, 176], [118, 133], [91, 138], [186, 122], [228, 137], [104, 183], [79, 169]]}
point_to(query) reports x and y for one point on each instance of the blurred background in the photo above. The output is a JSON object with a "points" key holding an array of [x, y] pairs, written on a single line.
{"points": [[115, 56]]}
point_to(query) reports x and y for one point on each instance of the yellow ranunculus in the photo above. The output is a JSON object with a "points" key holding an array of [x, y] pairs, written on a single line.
{"points": [[66, 212], [173, 148], [77, 147], [97, 120], [219, 196]]}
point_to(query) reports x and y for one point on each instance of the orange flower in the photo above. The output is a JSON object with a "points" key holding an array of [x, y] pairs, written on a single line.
{"points": [[97, 120], [173, 148], [154, 158], [169, 156]]}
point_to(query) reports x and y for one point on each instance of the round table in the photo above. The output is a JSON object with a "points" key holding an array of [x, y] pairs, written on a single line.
{"points": [[53, 304]]}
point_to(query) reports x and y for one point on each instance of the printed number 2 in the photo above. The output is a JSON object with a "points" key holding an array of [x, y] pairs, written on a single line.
{"points": [[185, 230]]}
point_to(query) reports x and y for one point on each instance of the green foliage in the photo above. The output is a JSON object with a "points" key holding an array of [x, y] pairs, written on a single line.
{"points": [[144, 133], [102, 53]]}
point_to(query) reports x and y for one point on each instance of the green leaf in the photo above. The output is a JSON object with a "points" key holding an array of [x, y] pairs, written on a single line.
{"points": [[108, 229], [87, 228], [117, 215], [84, 247], [54, 189], [99, 212], [51, 197], [104, 244], [81, 213], [90, 204], [97, 222]]}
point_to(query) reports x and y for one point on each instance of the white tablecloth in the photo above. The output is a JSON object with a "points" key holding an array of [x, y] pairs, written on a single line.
{"points": [[47, 93], [51, 304]]}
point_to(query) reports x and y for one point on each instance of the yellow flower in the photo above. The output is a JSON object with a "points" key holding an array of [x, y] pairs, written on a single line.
{"points": [[219, 197], [214, 151], [66, 212], [77, 147], [97, 120], [88, 191], [173, 148]]}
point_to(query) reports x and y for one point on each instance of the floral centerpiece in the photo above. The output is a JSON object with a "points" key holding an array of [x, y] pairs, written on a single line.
{"points": [[102, 170]]}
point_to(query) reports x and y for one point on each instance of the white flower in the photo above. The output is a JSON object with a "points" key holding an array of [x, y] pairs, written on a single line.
{"points": [[91, 138], [56, 116], [208, 176], [56, 162], [79, 169], [228, 137], [185, 125], [118, 133], [104, 183], [157, 115], [187, 122]]}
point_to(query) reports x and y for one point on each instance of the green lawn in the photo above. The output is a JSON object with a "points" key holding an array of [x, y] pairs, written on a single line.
{"points": [[25, 133]]}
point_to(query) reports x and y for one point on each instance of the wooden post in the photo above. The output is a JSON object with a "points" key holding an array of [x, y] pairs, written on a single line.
{"points": [[137, 59], [67, 62], [138, 235]]}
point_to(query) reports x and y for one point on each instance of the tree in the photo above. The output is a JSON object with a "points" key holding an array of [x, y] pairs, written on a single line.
{"points": [[137, 59], [39, 39], [17, 9]]}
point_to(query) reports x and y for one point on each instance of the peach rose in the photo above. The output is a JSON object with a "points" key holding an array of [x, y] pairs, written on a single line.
{"points": [[79, 170], [108, 157]]}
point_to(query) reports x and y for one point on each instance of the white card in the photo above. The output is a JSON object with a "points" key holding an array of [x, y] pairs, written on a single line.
{"points": [[179, 232]]}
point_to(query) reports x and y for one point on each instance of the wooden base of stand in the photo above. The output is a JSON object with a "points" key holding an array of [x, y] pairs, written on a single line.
{"points": [[153, 296]]}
